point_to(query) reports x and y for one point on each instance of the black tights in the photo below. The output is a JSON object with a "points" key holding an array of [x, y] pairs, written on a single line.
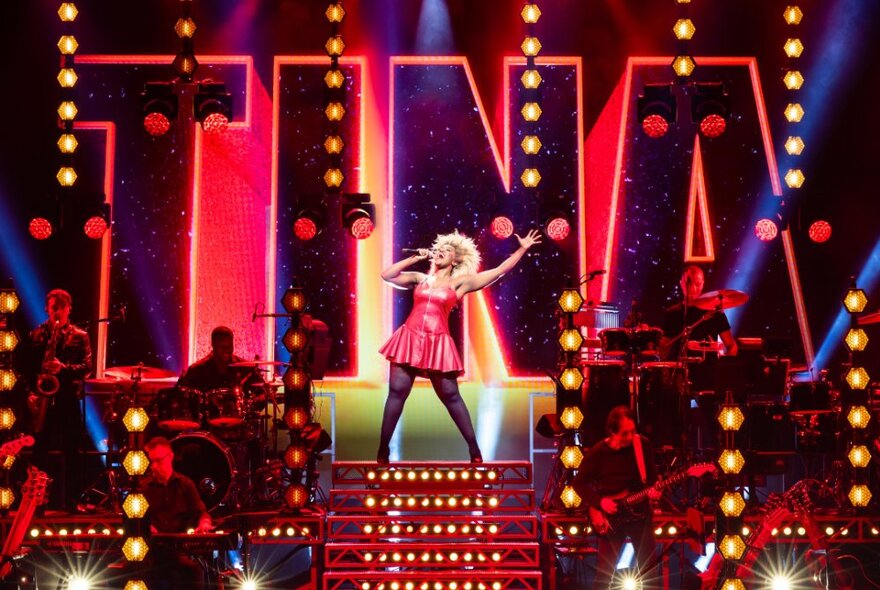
{"points": [[400, 384]]}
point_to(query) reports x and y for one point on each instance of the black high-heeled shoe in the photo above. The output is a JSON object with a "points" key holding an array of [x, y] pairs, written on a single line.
{"points": [[476, 455], [382, 456]]}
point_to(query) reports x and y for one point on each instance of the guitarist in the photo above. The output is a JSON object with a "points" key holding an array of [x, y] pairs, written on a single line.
{"points": [[56, 418], [620, 464]]}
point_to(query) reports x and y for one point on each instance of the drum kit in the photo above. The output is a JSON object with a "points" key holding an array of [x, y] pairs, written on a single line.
{"points": [[625, 366], [221, 437]]}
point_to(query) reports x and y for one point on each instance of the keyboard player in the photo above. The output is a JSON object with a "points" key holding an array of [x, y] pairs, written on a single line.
{"points": [[175, 507]]}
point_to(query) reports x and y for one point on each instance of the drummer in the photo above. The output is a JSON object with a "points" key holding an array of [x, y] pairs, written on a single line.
{"points": [[706, 322], [214, 371]]}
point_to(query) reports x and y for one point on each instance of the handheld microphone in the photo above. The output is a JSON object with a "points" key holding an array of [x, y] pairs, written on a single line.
{"points": [[595, 273], [415, 250]]}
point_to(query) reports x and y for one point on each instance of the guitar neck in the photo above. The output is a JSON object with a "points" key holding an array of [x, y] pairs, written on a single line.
{"points": [[641, 496]]}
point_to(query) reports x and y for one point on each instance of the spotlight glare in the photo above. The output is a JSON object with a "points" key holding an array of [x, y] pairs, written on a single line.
{"points": [[781, 582]]}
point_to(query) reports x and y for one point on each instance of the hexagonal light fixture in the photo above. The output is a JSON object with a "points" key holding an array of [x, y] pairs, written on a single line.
{"points": [[857, 378], [858, 417], [793, 47], [571, 417], [570, 301], [731, 461], [683, 66], [684, 29], [731, 418], [794, 178], [855, 300], [571, 378], [570, 340], [856, 339], [794, 145], [794, 112], [571, 457], [732, 504], [569, 497], [732, 547]]}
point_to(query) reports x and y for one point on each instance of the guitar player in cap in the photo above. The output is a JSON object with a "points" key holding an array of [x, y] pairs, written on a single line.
{"points": [[617, 466]]}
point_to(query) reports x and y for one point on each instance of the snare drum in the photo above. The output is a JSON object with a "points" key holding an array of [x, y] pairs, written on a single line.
{"points": [[225, 408], [179, 408]]}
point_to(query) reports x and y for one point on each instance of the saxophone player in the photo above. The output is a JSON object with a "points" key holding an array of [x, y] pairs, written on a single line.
{"points": [[60, 358]]}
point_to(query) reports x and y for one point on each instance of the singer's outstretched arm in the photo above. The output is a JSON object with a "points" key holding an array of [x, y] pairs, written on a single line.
{"points": [[487, 277], [395, 274]]}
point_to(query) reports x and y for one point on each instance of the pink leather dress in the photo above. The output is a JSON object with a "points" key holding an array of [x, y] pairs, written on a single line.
{"points": [[423, 341]]}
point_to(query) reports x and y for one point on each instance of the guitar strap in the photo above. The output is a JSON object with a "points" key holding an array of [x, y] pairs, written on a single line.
{"points": [[640, 458]]}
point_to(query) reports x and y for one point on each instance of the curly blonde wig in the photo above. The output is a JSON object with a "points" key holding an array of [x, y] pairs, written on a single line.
{"points": [[467, 257]]}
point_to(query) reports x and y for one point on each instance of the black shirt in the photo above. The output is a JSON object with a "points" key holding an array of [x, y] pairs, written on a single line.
{"points": [[709, 329], [175, 506], [606, 472], [205, 375]]}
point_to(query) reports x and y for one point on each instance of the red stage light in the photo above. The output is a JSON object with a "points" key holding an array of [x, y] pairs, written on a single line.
{"points": [[713, 125], [95, 227], [766, 230], [305, 228], [820, 231], [502, 227], [655, 126], [558, 228], [215, 123], [362, 227], [157, 124], [40, 228]]}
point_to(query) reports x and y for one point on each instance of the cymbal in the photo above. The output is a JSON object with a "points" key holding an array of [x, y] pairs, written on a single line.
{"points": [[723, 299], [258, 363], [870, 318], [137, 370]]}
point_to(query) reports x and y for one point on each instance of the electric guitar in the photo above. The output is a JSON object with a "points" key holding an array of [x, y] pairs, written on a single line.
{"points": [[633, 506], [33, 493], [12, 448]]}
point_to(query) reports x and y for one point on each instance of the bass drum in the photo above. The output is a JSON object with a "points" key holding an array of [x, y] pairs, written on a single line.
{"points": [[208, 462]]}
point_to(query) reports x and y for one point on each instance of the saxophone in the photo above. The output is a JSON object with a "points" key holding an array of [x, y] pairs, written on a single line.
{"points": [[47, 384]]}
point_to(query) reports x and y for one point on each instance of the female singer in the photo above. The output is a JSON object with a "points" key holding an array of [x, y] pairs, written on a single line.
{"points": [[422, 346]]}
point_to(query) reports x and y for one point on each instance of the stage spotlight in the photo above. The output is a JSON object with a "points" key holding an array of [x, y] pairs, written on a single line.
{"points": [[501, 226], [684, 29], [766, 230], [78, 583], [531, 46], [67, 110], [333, 144], [793, 80], [159, 107], [793, 15], [656, 109], [335, 46], [40, 228], [530, 13], [294, 299], [794, 145], [570, 498], [212, 106], [66, 176], [794, 178], [185, 65], [683, 66], [96, 225], [296, 495], [334, 79], [67, 45], [531, 79], [710, 108], [67, 143], [335, 13], [793, 47], [185, 28], [310, 218], [794, 112], [334, 111], [554, 216], [820, 231], [249, 585], [67, 77], [135, 549], [781, 582], [531, 145], [67, 12], [358, 214], [530, 177]]}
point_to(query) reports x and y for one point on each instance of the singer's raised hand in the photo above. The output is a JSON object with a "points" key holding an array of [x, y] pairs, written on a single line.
{"points": [[531, 238]]}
